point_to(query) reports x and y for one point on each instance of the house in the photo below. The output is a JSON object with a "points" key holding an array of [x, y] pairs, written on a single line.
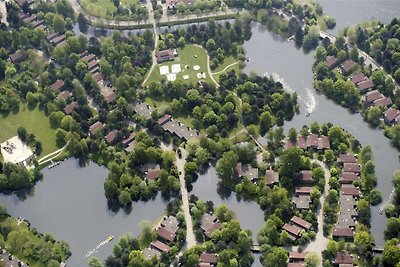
{"points": [[164, 234], [304, 190], [83, 54], [347, 66], [324, 143], [64, 95], [97, 76], [88, 58], [302, 142], [302, 202], [343, 258], [372, 96], [170, 223], [296, 264], [301, 223], [312, 141], [30, 18], [93, 66], [95, 127], [164, 119], [292, 230], [271, 178], [304, 176], [209, 223], [384, 102], [350, 190], [70, 107], [246, 171], [58, 85], [351, 167], [130, 147], [160, 246], [365, 85], [110, 97], [58, 40], [129, 139], [51, 36], [342, 232], [210, 258], [216, 226], [154, 173], [348, 212], [390, 114], [18, 56], [149, 253], [166, 55], [359, 77], [143, 109], [295, 256], [348, 177], [331, 61], [111, 136], [346, 158], [37, 23]]}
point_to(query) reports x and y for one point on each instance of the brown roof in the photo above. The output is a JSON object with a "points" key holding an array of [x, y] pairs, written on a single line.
{"points": [[97, 76], [65, 95], [160, 246], [164, 119], [331, 61], [300, 222], [347, 65], [312, 140], [324, 143], [292, 229], [83, 54], [57, 85], [95, 127], [208, 257], [51, 36], [348, 177], [110, 137], [304, 176], [18, 56], [294, 255], [343, 258], [347, 158], [342, 232], [351, 167], [57, 40], [359, 77], [89, 58], [165, 234], [271, 177], [37, 23], [127, 140], [384, 101], [302, 142], [390, 115], [305, 190], [153, 173], [364, 85], [92, 64], [70, 107], [349, 190], [111, 97], [295, 264], [30, 18], [165, 55], [372, 96], [216, 226]]}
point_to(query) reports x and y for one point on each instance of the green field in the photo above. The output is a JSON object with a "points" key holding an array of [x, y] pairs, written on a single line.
{"points": [[34, 121], [103, 8], [186, 57], [221, 68]]}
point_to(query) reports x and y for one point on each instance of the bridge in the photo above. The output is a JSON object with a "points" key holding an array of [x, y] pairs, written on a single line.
{"points": [[255, 248], [323, 35]]}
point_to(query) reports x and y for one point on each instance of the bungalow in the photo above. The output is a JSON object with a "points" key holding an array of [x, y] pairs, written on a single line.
{"points": [[210, 258], [89, 58], [348, 177], [350, 190], [51, 36], [346, 158], [111, 136], [154, 173], [37, 23], [164, 234], [302, 202], [342, 232], [304, 176], [372, 96], [209, 223], [97, 76], [58, 85], [347, 66], [390, 114], [216, 226], [160, 246], [130, 147], [300, 222], [164, 119], [143, 109], [331, 61], [384, 102], [70, 107], [93, 66], [324, 143], [343, 258], [110, 97], [170, 223], [312, 141], [64, 95], [359, 77], [58, 40], [304, 190], [293, 231], [271, 178], [129, 139], [149, 253], [83, 54], [295, 256], [302, 142], [351, 167], [95, 127], [30, 18], [365, 85], [246, 171], [18, 56], [166, 55]]}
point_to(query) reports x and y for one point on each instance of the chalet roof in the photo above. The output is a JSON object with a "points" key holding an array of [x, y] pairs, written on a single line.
{"points": [[170, 223], [384, 101], [351, 167], [331, 61], [216, 226], [271, 177], [143, 109], [348, 177], [37, 23], [347, 65], [343, 258], [30, 18], [165, 234], [57, 85], [292, 229], [294, 255], [324, 143], [127, 140], [110, 137], [364, 85], [207, 220], [350, 190], [303, 190], [83, 54], [89, 58], [304, 176], [164, 119], [58, 39], [97, 76], [153, 173], [347, 158], [65, 95], [70, 107], [302, 142], [92, 64], [17, 56], [359, 77], [300, 222], [373, 95], [342, 232], [160, 246], [111, 97], [390, 114], [149, 253], [302, 201], [312, 140], [95, 127], [51, 36], [209, 257]]}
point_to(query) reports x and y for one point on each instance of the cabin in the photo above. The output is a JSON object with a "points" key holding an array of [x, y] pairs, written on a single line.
{"points": [[365, 85], [58, 85], [304, 176], [164, 119], [210, 258], [64, 95], [384, 102], [346, 158], [343, 258], [246, 171], [359, 77], [390, 114], [170, 223], [347, 66], [301, 223], [350, 190], [95, 128], [293, 231], [342, 233], [143, 109], [304, 190], [166, 55], [111, 137], [17, 56], [302, 202], [331, 61], [370, 97], [154, 173], [295, 256], [348, 177], [70, 108], [160, 246], [165, 235], [351, 167], [271, 178]]}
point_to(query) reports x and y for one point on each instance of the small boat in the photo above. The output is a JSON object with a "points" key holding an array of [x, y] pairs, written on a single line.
{"points": [[307, 114], [110, 238]]}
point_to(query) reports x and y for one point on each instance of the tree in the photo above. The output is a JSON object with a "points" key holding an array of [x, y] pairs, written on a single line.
{"points": [[95, 262], [226, 165], [290, 162], [277, 257], [312, 259], [391, 253]]}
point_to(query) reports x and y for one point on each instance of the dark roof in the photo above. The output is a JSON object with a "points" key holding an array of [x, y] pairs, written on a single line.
{"points": [[359, 77], [349, 190], [300, 222], [143, 109], [160, 246], [364, 85], [331, 61], [347, 65], [343, 258], [348, 177], [384, 101], [302, 201], [165, 234], [57, 85], [351, 167], [209, 257], [97, 76], [153, 173], [110, 137], [347, 158], [271, 177], [342, 232], [161, 121], [390, 115], [18, 56], [292, 229], [37, 23], [216, 226], [89, 58], [295, 256], [312, 140], [83, 54], [149, 253], [30, 18], [70, 107], [65, 95], [95, 127], [305, 190], [304, 176], [372, 96]]}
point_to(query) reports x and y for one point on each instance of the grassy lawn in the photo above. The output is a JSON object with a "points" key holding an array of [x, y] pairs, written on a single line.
{"points": [[185, 58], [227, 61], [103, 8], [34, 121]]}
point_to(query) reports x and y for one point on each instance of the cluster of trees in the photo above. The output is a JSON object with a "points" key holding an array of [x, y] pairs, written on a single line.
{"points": [[30, 140], [134, 11], [198, 7], [25, 242], [15, 177]]}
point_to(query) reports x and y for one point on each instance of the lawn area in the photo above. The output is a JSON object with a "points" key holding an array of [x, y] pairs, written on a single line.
{"points": [[103, 8], [228, 61], [186, 57], [34, 121]]}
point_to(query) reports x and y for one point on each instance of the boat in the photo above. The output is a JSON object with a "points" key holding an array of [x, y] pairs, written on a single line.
{"points": [[110, 238], [307, 114]]}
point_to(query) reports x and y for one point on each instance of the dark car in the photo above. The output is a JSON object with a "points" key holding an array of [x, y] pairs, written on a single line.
{"points": [[179, 153]]}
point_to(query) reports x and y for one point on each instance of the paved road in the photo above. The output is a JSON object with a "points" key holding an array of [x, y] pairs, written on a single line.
{"points": [[190, 237], [156, 37], [3, 12]]}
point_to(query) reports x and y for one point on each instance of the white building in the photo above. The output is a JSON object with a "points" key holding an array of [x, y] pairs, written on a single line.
{"points": [[16, 152]]}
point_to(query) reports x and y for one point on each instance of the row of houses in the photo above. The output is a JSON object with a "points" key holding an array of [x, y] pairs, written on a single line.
{"points": [[342, 259], [302, 197], [312, 141], [31, 19], [296, 227], [106, 89]]}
